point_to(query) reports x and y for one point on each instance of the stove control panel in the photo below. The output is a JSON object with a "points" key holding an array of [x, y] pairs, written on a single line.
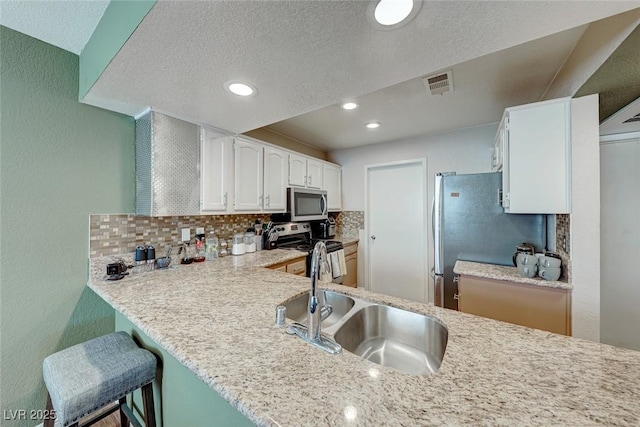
{"points": [[291, 228]]}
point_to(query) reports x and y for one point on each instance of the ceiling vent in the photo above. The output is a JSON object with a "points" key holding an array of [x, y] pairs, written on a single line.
{"points": [[439, 83], [635, 118], [624, 121]]}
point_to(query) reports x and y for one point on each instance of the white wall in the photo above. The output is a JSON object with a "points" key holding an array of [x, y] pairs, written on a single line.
{"points": [[463, 151], [585, 218], [620, 237]]}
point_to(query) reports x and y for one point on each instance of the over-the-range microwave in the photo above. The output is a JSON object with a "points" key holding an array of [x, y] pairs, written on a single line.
{"points": [[307, 205]]}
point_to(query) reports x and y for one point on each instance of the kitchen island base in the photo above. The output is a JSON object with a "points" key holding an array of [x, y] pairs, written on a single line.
{"points": [[181, 399]]}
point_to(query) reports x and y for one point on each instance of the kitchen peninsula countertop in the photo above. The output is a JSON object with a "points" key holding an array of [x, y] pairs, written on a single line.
{"points": [[501, 272], [217, 319]]}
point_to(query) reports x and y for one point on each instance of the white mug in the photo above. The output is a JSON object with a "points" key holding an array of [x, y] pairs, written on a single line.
{"points": [[527, 270], [549, 273], [547, 261]]}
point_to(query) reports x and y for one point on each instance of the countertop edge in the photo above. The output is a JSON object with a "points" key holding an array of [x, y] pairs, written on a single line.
{"points": [[505, 273]]}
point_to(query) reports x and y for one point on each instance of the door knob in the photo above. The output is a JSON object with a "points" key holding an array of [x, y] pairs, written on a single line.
{"points": [[373, 237]]}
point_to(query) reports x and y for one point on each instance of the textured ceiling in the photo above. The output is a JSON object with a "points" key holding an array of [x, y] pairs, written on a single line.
{"points": [[306, 55], [618, 79], [483, 88], [67, 24]]}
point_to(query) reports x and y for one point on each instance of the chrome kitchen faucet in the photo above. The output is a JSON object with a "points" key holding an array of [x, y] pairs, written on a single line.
{"points": [[312, 333]]}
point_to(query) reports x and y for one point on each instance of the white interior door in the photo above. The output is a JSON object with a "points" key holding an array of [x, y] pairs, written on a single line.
{"points": [[620, 243], [396, 221]]}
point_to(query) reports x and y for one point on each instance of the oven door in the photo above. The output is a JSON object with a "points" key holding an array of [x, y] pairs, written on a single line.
{"points": [[307, 205]]}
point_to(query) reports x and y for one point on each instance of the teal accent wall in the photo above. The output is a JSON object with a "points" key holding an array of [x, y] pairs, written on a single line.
{"points": [[182, 399], [60, 161], [119, 21]]}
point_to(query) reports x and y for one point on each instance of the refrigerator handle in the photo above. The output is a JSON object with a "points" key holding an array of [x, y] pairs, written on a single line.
{"points": [[436, 218]]}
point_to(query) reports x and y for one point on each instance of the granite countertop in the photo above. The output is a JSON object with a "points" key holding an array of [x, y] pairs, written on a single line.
{"points": [[493, 373], [501, 272], [346, 240]]}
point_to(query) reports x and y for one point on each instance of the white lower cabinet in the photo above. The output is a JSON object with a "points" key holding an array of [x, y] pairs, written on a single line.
{"points": [[248, 176], [275, 179], [332, 183], [216, 176]]}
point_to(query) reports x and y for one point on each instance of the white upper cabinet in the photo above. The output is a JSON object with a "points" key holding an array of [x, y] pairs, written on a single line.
{"points": [[314, 174], [275, 179], [305, 171], [297, 170], [332, 183], [216, 179], [248, 176], [537, 157]]}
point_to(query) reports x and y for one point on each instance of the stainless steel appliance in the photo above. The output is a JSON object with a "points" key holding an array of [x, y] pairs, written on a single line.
{"points": [[470, 224], [325, 229], [307, 205], [297, 235]]}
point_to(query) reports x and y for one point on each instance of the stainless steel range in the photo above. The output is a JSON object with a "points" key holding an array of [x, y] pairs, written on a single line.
{"points": [[297, 235]]}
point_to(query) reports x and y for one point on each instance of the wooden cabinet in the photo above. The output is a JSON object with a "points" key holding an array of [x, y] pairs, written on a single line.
{"points": [[332, 183], [351, 259], [296, 266], [275, 176], [305, 171], [535, 145], [216, 179], [248, 170], [537, 307]]}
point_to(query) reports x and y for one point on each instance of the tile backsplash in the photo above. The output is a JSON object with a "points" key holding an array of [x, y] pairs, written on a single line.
{"points": [[563, 244], [117, 234], [349, 222]]}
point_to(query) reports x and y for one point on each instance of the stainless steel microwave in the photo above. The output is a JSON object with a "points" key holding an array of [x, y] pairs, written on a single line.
{"points": [[307, 205]]}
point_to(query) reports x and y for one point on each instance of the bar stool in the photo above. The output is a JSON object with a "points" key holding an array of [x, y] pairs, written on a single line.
{"points": [[91, 375]]}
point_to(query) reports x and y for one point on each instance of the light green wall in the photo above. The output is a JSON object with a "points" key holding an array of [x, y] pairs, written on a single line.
{"points": [[119, 21], [59, 161], [186, 400]]}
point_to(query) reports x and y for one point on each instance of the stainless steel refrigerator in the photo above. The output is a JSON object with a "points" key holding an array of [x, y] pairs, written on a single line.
{"points": [[469, 224]]}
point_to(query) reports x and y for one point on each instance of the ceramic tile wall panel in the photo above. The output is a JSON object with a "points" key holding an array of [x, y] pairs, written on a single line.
{"points": [[562, 233], [116, 234], [349, 222]]}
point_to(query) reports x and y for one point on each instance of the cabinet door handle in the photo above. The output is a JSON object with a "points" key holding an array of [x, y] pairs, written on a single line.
{"points": [[310, 179], [373, 237], [268, 200], [225, 200], [261, 198]]}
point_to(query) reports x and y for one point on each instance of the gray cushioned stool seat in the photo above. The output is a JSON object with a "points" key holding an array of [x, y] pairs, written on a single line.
{"points": [[90, 375]]}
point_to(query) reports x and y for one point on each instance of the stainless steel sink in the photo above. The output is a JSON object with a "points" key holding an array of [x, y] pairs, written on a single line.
{"points": [[297, 308], [409, 342]]}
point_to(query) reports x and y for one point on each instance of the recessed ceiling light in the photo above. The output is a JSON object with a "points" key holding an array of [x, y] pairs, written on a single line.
{"points": [[373, 125], [240, 89], [349, 106], [392, 14]]}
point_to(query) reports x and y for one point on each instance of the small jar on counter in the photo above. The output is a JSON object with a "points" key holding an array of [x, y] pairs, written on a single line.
{"points": [[250, 242], [222, 248], [239, 248]]}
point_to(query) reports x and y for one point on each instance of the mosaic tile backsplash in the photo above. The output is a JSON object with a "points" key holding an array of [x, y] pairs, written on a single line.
{"points": [[349, 222], [562, 233], [117, 234]]}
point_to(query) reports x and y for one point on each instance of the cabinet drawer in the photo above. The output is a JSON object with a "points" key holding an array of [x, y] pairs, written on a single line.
{"points": [[298, 267], [351, 249]]}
